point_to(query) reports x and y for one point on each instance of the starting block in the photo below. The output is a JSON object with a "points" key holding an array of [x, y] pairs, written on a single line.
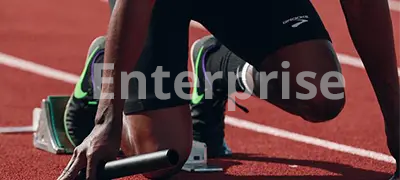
{"points": [[197, 161], [49, 135], [49, 132]]}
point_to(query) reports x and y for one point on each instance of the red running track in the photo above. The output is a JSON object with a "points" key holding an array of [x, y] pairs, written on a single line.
{"points": [[57, 34]]}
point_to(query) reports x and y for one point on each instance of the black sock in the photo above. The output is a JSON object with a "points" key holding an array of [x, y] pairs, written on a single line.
{"points": [[223, 60]]}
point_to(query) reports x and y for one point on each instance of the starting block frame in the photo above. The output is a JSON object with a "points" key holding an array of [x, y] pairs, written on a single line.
{"points": [[49, 135], [197, 161]]}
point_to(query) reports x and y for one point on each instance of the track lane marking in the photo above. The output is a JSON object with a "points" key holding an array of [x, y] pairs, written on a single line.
{"points": [[35, 68], [394, 5], [255, 127]]}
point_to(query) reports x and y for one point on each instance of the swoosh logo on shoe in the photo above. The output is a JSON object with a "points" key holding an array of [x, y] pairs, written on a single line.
{"points": [[196, 97], [78, 92]]}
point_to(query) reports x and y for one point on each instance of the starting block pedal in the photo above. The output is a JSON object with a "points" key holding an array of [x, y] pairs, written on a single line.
{"points": [[49, 132], [197, 161]]}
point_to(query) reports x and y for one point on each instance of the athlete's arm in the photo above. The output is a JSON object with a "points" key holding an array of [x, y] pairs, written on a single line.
{"points": [[370, 27], [126, 38]]}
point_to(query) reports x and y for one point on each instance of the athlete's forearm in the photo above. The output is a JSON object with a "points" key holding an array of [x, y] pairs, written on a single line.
{"points": [[125, 40], [127, 33], [370, 27]]}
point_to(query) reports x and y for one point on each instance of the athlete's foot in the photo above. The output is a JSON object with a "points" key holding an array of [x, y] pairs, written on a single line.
{"points": [[208, 113], [81, 108]]}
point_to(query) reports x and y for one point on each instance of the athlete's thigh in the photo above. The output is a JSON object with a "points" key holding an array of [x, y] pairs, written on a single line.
{"points": [[163, 58], [279, 36], [255, 29]]}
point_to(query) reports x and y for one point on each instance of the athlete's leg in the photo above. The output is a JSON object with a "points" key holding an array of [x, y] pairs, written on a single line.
{"points": [[168, 128], [157, 114], [208, 114], [266, 45]]}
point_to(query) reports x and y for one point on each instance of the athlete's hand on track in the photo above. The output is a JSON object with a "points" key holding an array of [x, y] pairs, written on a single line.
{"points": [[102, 145]]}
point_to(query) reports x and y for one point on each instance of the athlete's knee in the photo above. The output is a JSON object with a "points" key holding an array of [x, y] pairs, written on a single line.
{"points": [[322, 108], [183, 153], [166, 128], [182, 147]]}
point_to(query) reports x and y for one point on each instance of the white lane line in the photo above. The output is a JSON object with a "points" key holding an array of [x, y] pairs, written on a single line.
{"points": [[353, 61], [243, 124], [240, 123], [16, 129], [32, 67], [394, 5]]}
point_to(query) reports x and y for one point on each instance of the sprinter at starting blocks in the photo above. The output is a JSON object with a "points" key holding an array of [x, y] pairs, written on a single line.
{"points": [[144, 35]]}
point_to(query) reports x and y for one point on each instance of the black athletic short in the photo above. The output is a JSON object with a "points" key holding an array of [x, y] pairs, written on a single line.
{"points": [[252, 29]]}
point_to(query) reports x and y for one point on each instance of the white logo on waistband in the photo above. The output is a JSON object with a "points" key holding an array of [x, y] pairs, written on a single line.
{"points": [[299, 21]]}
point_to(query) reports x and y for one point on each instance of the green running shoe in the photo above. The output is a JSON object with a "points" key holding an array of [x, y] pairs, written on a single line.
{"points": [[81, 108], [208, 114]]}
